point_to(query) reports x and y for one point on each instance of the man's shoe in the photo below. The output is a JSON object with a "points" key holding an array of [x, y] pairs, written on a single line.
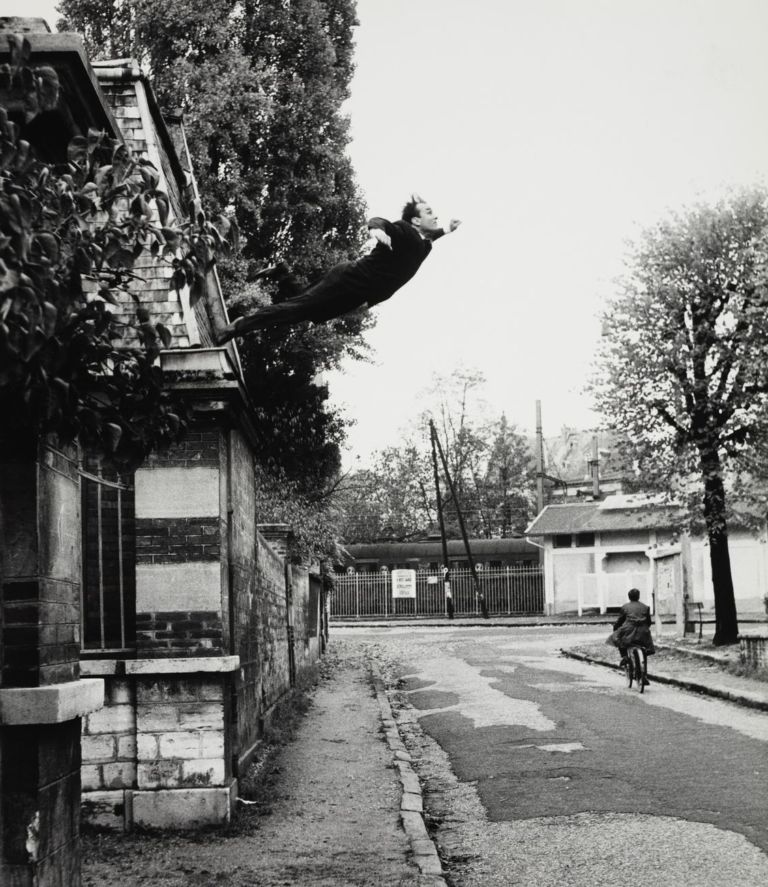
{"points": [[229, 332]]}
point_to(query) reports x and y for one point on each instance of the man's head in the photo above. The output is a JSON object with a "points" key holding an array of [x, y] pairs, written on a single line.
{"points": [[634, 594], [419, 213]]}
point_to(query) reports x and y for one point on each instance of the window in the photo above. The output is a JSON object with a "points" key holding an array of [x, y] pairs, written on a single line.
{"points": [[109, 560], [563, 540], [585, 540]]}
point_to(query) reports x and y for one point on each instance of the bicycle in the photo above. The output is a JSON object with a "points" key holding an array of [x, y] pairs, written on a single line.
{"points": [[636, 667]]}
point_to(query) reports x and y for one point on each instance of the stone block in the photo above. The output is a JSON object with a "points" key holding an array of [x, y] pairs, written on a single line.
{"points": [[112, 719], [177, 492], [204, 716], [101, 747], [158, 774], [413, 823], [154, 691], [126, 747], [195, 585], [181, 745], [157, 718], [411, 802], [212, 744], [182, 665], [183, 808], [119, 692], [410, 783], [146, 747], [90, 777], [120, 774], [104, 809], [211, 690], [202, 772], [52, 704]]}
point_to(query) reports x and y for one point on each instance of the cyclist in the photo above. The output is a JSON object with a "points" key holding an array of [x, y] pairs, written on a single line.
{"points": [[633, 627]]}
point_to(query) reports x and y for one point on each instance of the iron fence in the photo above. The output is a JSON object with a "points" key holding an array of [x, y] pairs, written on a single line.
{"points": [[507, 591]]}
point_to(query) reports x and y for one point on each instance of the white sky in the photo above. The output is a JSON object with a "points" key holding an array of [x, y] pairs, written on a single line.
{"points": [[552, 128]]}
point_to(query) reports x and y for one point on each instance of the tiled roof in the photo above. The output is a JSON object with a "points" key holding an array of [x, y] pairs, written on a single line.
{"points": [[590, 517]]}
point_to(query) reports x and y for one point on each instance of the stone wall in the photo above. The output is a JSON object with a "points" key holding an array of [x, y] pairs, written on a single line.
{"points": [[158, 754]]}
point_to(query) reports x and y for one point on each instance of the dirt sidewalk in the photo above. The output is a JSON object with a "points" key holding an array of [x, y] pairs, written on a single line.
{"points": [[327, 812]]}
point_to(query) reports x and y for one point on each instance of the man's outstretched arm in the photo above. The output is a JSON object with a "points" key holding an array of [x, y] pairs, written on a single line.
{"points": [[452, 226]]}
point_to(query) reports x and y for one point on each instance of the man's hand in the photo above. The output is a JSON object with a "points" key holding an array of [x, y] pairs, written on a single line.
{"points": [[381, 236], [453, 224]]}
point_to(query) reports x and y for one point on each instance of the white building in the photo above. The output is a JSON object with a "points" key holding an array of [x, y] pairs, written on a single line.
{"points": [[594, 552]]}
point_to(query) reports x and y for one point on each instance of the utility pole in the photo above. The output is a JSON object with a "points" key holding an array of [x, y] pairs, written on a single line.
{"points": [[446, 563], [462, 527], [539, 461]]}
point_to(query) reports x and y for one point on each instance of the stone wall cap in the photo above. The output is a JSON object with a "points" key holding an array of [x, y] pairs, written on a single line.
{"points": [[51, 704], [182, 665]]}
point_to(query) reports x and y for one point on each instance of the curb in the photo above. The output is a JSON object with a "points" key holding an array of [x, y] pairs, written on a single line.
{"points": [[411, 802], [691, 686], [447, 623]]}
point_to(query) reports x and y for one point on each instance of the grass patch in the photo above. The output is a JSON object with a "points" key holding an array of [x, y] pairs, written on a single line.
{"points": [[748, 670]]}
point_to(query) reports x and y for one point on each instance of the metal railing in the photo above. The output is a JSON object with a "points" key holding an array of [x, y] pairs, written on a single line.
{"points": [[507, 591], [108, 587]]}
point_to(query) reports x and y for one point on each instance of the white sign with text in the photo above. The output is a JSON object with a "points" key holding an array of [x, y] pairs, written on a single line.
{"points": [[404, 583]]}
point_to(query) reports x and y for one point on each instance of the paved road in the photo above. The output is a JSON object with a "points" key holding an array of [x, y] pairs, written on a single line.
{"points": [[543, 770]]}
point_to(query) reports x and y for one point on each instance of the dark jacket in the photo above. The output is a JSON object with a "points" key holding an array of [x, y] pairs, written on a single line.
{"points": [[633, 627], [383, 271]]}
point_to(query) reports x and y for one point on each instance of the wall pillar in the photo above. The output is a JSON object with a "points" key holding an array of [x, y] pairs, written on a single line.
{"points": [[42, 699]]}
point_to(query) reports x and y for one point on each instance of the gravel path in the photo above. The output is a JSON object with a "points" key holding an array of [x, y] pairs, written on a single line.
{"points": [[332, 818]]}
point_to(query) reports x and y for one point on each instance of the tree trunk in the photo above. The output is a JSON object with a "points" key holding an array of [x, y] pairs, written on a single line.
{"points": [[726, 623]]}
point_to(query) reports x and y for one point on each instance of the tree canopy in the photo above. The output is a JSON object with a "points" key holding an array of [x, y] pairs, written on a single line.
{"points": [[261, 84], [489, 461], [683, 366]]}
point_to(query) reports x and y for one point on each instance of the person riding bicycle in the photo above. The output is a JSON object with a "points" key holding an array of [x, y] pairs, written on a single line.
{"points": [[633, 627]]}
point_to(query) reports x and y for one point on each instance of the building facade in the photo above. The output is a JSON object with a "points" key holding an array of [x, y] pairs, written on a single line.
{"points": [[594, 552], [150, 624]]}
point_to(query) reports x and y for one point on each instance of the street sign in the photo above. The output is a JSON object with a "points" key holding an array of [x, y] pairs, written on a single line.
{"points": [[404, 584]]}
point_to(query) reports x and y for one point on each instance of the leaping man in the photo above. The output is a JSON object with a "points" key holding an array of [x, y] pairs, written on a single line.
{"points": [[400, 249]]}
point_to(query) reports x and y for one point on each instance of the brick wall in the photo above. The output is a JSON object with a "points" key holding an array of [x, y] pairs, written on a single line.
{"points": [[180, 570]]}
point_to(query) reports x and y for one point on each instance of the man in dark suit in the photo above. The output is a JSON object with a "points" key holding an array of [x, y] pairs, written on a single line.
{"points": [[633, 627], [400, 249]]}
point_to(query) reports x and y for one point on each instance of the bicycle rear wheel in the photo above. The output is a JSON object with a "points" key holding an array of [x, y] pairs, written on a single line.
{"points": [[629, 669], [638, 663]]}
